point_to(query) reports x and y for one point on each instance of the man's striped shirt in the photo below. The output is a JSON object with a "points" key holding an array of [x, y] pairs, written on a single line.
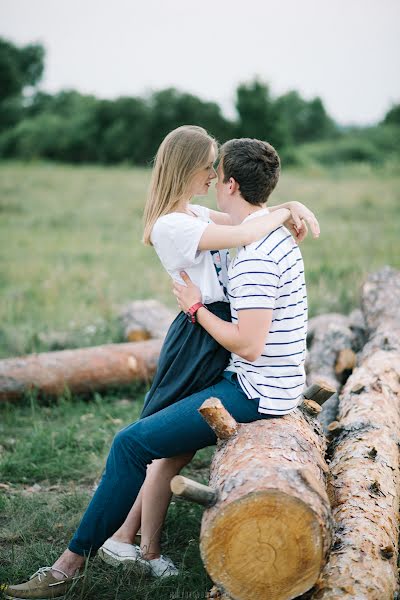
{"points": [[269, 274]]}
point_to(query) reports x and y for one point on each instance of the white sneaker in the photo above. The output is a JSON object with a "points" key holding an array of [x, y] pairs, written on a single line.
{"points": [[158, 567], [118, 553]]}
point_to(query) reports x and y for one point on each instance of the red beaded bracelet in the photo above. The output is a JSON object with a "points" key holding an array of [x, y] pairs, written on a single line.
{"points": [[191, 313]]}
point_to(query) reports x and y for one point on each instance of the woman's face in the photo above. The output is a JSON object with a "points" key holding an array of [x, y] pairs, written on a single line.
{"points": [[202, 180]]}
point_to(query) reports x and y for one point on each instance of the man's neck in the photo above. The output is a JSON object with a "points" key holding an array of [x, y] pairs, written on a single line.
{"points": [[242, 210]]}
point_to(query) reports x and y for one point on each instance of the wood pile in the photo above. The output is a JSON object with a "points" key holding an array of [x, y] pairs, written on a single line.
{"points": [[268, 530], [267, 527]]}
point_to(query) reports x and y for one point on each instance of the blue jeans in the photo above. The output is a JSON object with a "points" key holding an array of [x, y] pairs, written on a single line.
{"points": [[175, 430]]}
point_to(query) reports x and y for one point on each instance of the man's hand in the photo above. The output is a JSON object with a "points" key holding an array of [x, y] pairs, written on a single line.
{"points": [[187, 294], [300, 215]]}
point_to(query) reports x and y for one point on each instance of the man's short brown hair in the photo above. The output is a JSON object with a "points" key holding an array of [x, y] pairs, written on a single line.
{"points": [[254, 164]]}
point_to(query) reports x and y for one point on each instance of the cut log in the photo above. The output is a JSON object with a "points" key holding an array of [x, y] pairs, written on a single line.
{"points": [[145, 319], [269, 532], [193, 491], [328, 336], [364, 484], [380, 303], [80, 371]]}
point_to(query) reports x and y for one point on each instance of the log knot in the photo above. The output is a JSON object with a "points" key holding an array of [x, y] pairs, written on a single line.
{"points": [[387, 552]]}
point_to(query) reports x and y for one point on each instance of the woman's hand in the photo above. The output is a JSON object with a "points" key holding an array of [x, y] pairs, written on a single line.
{"points": [[187, 294], [300, 215], [298, 232]]}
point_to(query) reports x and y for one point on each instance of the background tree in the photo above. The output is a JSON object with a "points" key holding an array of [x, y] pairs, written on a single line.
{"points": [[19, 68], [258, 115], [304, 121], [392, 117]]}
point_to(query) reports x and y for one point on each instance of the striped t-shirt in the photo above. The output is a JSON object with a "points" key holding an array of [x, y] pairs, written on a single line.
{"points": [[269, 274]]}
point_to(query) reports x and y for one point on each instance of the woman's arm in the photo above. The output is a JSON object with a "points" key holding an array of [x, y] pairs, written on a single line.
{"points": [[299, 216], [220, 218], [218, 237]]}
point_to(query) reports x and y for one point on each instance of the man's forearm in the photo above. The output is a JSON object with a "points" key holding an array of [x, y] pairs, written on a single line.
{"points": [[226, 334]]}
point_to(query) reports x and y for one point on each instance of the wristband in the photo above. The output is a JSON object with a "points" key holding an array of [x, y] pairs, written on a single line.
{"points": [[191, 313]]}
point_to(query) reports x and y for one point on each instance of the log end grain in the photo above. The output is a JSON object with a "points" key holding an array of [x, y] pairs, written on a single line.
{"points": [[311, 407], [320, 391], [265, 545], [218, 418]]}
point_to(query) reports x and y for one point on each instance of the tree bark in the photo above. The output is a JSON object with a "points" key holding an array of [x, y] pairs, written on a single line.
{"points": [[82, 370], [269, 532], [328, 337], [364, 484]]}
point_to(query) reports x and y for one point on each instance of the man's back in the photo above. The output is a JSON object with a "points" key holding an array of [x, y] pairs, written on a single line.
{"points": [[269, 274]]}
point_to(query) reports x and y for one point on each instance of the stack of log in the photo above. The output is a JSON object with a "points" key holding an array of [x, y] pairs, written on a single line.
{"points": [[304, 505], [269, 531]]}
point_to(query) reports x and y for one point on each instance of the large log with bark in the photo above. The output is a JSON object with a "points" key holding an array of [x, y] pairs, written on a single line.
{"points": [[145, 319], [330, 342], [333, 340], [267, 531], [80, 371], [365, 479]]}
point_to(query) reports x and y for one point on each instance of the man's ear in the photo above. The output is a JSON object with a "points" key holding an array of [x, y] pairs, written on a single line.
{"points": [[233, 186]]}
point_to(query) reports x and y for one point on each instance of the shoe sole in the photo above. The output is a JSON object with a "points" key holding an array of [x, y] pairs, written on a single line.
{"points": [[16, 598], [114, 560]]}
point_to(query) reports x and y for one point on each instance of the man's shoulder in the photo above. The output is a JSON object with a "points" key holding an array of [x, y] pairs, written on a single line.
{"points": [[264, 247]]}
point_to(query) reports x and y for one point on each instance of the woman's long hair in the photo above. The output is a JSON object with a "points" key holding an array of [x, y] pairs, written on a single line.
{"points": [[182, 154]]}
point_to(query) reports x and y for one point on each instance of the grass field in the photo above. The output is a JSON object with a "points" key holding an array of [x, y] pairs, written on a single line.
{"points": [[71, 254]]}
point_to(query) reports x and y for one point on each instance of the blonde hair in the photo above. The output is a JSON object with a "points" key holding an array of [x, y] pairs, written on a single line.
{"points": [[181, 155]]}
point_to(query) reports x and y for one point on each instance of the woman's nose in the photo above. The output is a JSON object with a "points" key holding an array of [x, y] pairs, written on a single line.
{"points": [[213, 174]]}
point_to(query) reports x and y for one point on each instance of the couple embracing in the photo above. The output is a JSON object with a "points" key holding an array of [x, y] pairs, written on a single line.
{"points": [[240, 337]]}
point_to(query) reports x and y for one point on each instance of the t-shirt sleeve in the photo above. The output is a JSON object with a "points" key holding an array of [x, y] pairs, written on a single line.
{"points": [[201, 211], [176, 239], [254, 282]]}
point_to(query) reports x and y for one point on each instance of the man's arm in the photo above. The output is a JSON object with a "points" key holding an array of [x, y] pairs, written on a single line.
{"points": [[245, 338]]}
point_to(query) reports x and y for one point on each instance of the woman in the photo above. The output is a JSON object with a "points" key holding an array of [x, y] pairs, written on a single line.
{"points": [[194, 238], [183, 238]]}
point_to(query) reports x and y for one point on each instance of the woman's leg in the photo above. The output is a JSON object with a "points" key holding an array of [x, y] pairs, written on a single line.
{"points": [[150, 507], [155, 500], [175, 430]]}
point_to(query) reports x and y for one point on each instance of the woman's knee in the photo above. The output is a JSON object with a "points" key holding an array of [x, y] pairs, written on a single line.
{"points": [[178, 462]]}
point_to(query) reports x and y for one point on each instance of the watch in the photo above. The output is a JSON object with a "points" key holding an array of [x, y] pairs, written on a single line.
{"points": [[191, 313]]}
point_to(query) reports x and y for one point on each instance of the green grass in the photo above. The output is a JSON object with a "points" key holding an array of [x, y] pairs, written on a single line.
{"points": [[71, 251], [62, 448], [71, 255]]}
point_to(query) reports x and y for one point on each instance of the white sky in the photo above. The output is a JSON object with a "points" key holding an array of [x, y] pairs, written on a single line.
{"points": [[346, 51]]}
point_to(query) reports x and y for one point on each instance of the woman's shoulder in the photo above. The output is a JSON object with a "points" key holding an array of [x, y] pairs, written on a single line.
{"points": [[200, 211], [178, 224]]}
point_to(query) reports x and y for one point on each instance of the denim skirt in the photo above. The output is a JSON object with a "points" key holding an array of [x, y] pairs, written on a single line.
{"points": [[190, 361]]}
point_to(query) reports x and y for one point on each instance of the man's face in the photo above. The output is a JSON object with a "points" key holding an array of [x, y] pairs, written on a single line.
{"points": [[222, 190]]}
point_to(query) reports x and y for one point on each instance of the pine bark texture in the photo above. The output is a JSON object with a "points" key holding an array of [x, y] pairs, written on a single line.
{"points": [[328, 336], [145, 319], [82, 370], [364, 482], [269, 533]]}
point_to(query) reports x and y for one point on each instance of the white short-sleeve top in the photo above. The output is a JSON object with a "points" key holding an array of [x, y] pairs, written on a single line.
{"points": [[176, 238]]}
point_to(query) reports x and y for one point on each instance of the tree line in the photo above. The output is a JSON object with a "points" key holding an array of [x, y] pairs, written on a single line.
{"points": [[73, 127]]}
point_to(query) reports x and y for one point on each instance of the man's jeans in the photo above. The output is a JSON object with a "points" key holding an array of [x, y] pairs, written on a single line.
{"points": [[175, 430]]}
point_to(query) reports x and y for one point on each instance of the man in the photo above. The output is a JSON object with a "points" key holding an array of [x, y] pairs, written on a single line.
{"points": [[264, 379]]}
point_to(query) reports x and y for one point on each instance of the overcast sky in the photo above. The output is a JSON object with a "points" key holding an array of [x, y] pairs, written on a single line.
{"points": [[346, 51]]}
